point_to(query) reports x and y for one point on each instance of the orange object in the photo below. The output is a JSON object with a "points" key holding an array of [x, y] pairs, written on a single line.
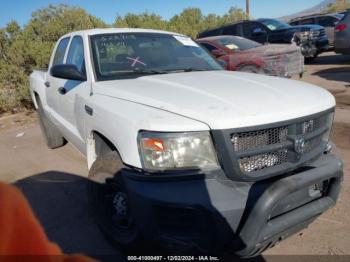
{"points": [[21, 236]]}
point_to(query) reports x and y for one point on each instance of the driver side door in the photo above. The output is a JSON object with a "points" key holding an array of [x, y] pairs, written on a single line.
{"points": [[256, 32], [71, 94]]}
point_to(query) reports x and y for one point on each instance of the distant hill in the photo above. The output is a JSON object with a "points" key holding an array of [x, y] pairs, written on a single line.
{"points": [[319, 8]]}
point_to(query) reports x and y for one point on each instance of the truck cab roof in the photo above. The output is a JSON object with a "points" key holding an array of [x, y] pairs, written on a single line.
{"points": [[98, 31]]}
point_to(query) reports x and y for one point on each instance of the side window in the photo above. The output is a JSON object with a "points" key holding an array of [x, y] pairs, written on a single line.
{"points": [[76, 53], [60, 51], [239, 29], [250, 28], [327, 21], [246, 30], [207, 46], [308, 21], [213, 32], [230, 30]]}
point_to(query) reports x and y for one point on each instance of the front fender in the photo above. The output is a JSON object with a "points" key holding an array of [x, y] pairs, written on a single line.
{"points": [[120, 121]]}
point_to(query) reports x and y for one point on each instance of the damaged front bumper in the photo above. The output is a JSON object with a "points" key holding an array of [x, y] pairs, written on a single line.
{"points": [[212, 214], [286, 65]]}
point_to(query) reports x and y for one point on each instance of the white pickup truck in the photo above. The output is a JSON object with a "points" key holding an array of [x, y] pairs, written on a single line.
{"points": [[182, 153]]}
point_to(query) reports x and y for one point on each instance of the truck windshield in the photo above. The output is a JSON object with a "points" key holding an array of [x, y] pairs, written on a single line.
{"points": [[237, 43], [120, 55], [273, 24]]}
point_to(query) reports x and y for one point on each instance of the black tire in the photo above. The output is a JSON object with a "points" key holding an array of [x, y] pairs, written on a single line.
{"points": [[52, 135], [108, 199], [311, 58], [250, 69]]}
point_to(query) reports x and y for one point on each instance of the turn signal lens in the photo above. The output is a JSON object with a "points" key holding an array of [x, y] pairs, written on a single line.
{"points": [[153, 144]]}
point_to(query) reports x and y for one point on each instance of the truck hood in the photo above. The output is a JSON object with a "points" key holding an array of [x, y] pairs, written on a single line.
{"points": [[272, 49], [222, 99]]}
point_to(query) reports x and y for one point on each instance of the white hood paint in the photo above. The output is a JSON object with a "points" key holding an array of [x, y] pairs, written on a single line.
{"points": [[222, 99]]}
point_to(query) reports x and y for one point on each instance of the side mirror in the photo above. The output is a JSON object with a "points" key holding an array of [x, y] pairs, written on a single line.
{"points": [[218, 52], [67, 71]]}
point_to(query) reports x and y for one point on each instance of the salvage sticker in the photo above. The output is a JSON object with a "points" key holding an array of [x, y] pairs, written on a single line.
{"points": [[185, 40]]}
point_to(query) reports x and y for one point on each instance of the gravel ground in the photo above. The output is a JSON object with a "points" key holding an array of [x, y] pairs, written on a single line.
{"points": [[58, 176]]}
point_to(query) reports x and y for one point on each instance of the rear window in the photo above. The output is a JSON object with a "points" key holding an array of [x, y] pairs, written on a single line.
{"points": [[237, 43], [230, 30], [213, 32], [327, 21], [308, 21], [339, 16], [345, 15]]}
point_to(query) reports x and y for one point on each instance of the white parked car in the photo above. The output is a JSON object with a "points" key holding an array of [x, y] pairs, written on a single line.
{"points": [[183, 153]]}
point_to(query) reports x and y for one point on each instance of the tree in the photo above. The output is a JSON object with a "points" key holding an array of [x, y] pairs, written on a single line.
{"points": [[144, 20], [21, 50], [339, 6], [234, 15], [188, 22]]}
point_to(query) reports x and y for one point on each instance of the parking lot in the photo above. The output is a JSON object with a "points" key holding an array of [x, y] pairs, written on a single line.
{"points": [[54, 180]]}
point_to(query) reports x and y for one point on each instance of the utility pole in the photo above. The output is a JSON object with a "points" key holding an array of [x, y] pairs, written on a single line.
{"points": [[247, 7]]}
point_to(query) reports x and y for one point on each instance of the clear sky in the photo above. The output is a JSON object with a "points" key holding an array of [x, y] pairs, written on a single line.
{"points": [[20, 10]]}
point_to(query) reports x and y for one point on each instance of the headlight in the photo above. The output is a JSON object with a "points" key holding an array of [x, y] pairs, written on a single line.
{"points": [[302, 35], [164, 151], [315, 33]]}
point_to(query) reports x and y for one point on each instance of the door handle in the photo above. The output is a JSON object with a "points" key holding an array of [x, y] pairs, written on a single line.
{"points": [[47, 84], [89, 110], [62, 90]]}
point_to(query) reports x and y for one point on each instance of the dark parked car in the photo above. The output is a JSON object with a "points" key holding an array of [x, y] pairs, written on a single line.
{"points": [[241, 54], [328, 21], [342, 35], [273, 31]]}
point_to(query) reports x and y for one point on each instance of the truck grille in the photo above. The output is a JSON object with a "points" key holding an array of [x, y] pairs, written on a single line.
{"points": [[322, 32], [257, 139], [281, 146], [286, 65], [259, 162]]}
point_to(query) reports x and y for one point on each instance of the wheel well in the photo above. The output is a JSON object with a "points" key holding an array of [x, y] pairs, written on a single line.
{"points": [[36, 99], [102, 144], [98, 145]]}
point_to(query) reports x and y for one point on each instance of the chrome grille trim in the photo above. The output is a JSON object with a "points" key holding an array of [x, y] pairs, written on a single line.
{"points": [[258, 151]]}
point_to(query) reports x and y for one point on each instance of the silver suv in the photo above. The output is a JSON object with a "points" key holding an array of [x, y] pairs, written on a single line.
{"points": [[342, 35]]}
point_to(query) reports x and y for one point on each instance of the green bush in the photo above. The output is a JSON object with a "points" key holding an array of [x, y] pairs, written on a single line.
{"points": [[22, 50]]}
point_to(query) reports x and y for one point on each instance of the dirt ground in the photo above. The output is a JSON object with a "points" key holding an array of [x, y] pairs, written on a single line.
{"points": [[58, 176]]}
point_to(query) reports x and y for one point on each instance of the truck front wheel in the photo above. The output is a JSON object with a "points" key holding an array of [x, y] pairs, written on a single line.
{"points": [[108, 199]]}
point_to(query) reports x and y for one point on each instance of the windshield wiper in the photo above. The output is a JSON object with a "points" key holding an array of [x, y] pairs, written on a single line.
{"points": [[187, 69], [149, 71]]}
